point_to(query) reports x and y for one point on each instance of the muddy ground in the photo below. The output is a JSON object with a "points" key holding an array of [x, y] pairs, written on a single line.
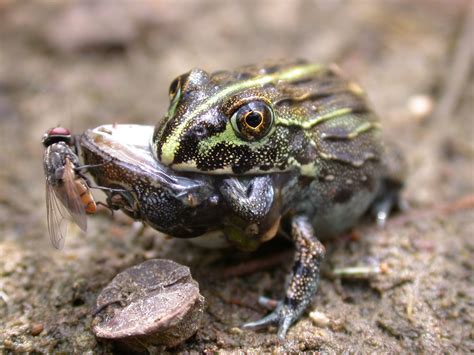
{"points": [[85, 63]]}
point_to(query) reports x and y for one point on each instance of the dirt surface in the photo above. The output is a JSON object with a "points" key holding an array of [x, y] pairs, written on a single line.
{"points": [[85, 63]]}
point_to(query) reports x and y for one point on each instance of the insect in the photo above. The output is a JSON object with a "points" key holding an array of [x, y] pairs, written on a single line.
{"points": [[68, 197]]}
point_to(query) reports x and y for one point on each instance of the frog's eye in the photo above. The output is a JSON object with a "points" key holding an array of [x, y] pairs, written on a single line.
{"points": [[253, 120], [175, 86]]}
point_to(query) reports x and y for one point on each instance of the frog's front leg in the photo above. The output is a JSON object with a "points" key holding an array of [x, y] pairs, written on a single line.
{"points": [[303, 281], [250, 199]]}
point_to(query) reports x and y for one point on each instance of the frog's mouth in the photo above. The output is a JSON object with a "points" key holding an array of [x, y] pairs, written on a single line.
{"points": [[120, 157]]}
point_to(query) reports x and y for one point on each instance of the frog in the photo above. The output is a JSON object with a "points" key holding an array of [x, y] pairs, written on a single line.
{"points": [[285, 118]]}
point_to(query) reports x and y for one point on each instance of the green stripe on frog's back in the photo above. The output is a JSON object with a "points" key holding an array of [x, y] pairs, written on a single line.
{"points": [[171, 145], [337, 121], [318, 116], [350, 139]]}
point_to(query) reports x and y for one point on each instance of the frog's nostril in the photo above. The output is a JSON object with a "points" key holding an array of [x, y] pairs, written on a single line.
{"points": [[199, 132]]}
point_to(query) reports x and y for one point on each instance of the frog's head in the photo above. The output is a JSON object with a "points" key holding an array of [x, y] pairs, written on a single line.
{"points": [[251, 120]]}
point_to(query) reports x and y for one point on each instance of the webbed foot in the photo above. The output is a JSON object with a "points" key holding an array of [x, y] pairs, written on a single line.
{"points": [[388, 200], [283, 316]]}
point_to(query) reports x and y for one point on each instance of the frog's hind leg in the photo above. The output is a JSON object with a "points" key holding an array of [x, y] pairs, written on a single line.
{"points": [[303, 280]]}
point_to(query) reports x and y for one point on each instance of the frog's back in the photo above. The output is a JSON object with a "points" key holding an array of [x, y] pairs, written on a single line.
{"points": [[337, 149], [271, 118]]}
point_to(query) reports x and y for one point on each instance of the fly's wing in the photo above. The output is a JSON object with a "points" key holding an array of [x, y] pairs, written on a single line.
{"points": [[57, 218], [72, 200], [63, 204]]}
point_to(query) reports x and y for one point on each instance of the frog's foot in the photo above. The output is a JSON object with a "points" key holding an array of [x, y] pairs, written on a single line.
{"points": [[381, 209], [303, 280], [284, 316], [387, 201]]}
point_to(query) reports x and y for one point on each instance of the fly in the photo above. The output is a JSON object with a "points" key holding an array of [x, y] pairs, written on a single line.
{"points": [[68, 197]]}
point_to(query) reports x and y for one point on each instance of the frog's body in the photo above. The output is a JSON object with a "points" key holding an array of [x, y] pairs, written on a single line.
{"points": [[292, 119]]}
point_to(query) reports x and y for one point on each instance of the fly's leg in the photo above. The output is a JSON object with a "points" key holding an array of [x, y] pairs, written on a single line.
{"points": [[249, 199], [303, 280]]}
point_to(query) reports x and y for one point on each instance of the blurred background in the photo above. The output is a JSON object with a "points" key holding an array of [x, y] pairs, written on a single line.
{"points": [[83, 63]]}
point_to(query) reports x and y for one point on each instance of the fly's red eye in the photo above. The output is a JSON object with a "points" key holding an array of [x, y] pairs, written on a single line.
{"points": [[57, 134], [59, 131]]}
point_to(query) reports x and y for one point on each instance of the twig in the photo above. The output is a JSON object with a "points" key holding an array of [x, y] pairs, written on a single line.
{"points": [[458, 74], [357, 272], [412, 296], [464, 203], [252, 266]]}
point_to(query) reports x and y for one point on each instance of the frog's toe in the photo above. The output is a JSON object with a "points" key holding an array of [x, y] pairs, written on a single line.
{"points": [[283, 316], [383, 206], [269, 303], [271, 319]]}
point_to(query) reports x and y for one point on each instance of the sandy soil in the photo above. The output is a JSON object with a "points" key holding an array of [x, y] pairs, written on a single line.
{"points": [[84, 63]]}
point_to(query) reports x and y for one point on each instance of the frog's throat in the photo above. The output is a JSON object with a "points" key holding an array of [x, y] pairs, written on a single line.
{"points": [[172, 143]]}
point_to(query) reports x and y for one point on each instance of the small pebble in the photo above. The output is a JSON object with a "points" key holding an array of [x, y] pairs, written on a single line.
{"points": [[36, 329], [235, 330], [8, 344], [420, 106], [384, 268], [154, 303], [319, 318]]}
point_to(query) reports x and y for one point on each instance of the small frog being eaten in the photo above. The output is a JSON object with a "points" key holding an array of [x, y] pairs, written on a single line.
{"points": [[304, 121]]}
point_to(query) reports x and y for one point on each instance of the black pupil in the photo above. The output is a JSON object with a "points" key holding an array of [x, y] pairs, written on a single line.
{"points": [[253, 119]]}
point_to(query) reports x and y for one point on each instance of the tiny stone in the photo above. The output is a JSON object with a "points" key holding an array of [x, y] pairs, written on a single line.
{"points": [[384, 268], [235, 330], [36, 329], [420, 106], [8, 344], [337, 325], [147, 241], [319, 318], [154, 303]]}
